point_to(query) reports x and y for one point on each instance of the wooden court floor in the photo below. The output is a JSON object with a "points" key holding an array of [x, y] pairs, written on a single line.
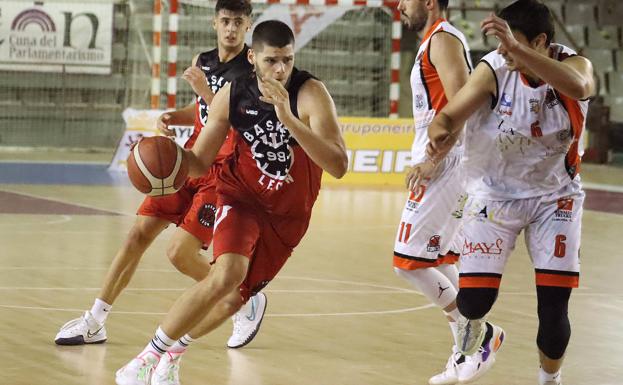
{"points": [[337, 314]]}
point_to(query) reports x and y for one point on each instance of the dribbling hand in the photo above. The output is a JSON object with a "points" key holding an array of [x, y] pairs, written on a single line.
{"points": [[163, 123]]}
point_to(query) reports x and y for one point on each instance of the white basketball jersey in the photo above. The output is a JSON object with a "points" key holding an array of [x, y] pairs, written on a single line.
{"points": [[428, 94], [527, 142]]}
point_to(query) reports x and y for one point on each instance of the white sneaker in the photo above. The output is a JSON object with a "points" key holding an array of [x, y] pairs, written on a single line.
{"points": [[556, 381], [247, 321], [168, 370], [450, 375], [479, 363], [80, 331], [138, 371], [470, 333]]}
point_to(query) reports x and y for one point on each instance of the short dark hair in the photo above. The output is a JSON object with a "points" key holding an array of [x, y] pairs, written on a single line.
{"points": [[443, 4], [273, 33], [530, 17], [237, 6]]}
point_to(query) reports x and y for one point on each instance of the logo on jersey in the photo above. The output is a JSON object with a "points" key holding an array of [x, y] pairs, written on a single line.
{"points": [[433, 244], [534, 105], [458, 213], [415, 198], [551, 100], [216, 83], [506, 105], [564, 211], [251, 112], [563, 135], [207, 214], [273, 155], [419, 102], [488, 248]]}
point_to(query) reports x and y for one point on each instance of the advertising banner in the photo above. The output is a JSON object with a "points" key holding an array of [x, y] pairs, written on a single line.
{"points": [[56, 36]]}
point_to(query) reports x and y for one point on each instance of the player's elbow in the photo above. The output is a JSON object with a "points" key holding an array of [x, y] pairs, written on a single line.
{"points": [[340, 166], [581, 89]]}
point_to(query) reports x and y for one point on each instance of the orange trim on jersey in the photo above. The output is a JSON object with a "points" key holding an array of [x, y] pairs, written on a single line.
{"points": [[421, 263], [577, 119], [428, 72], [479, 282], [557, 280], [432, 28]]}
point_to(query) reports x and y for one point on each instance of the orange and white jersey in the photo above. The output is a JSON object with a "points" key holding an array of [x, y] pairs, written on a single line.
{"points": [[528, 142], [428, 94]]}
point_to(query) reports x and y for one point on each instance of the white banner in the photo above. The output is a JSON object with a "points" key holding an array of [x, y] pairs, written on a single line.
{"points": [[306, 21], [56, 36], [141, 123]]}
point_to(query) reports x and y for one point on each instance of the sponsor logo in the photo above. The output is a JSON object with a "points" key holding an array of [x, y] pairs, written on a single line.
{"points": [[484, 248], [93, 334], [441, 289], [419, 101], [433, 244], [207, 215], [506, 105], [482, 213], [251, 112], [551, 100], [534, 105], [564, 211], [564, 135], [415, 198], [205, 68]]}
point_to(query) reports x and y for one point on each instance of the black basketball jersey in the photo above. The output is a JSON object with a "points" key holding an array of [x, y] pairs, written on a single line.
{"points": [[268, 167], [218, 74]]}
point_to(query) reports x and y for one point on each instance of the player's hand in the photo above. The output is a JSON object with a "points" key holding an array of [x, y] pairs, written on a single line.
{"points": [[418, 174], [198, 81], [495, 26], [273, 92], [163, 123], [438, 147]]}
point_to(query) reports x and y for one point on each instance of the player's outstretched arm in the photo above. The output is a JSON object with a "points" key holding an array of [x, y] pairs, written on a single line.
{"points": [[444, 131], [317, 130], [212, 135], [572, 76]]}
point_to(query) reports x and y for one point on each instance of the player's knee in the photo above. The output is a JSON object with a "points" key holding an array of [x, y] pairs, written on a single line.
{"points": [[177, 256], [554, 327], [142, 234], [475, 303], [232, 303]]}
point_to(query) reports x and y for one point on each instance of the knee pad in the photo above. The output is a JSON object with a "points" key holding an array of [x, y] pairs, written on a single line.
{"points": [[554, 327], [475, 303]]}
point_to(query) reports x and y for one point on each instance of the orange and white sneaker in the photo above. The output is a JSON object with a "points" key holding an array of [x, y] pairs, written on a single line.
{"points": [[477, 364]]}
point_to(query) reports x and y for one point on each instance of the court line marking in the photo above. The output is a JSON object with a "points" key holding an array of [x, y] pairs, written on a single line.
{"points": [[378, 312], [156, 289], [65, 202]]}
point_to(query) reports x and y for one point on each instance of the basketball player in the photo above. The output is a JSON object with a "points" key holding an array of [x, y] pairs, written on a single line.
{"points": [[286, 133], [192, 208], [526, 104], [425, 248]]}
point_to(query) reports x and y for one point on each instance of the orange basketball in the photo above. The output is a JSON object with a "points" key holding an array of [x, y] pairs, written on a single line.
{"points": [[157, 166]]}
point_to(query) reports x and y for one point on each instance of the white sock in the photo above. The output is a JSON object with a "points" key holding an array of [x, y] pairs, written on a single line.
{"points": [[181, 345], [100, 310], [544, 376], [158, 345], [454, 328]]}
